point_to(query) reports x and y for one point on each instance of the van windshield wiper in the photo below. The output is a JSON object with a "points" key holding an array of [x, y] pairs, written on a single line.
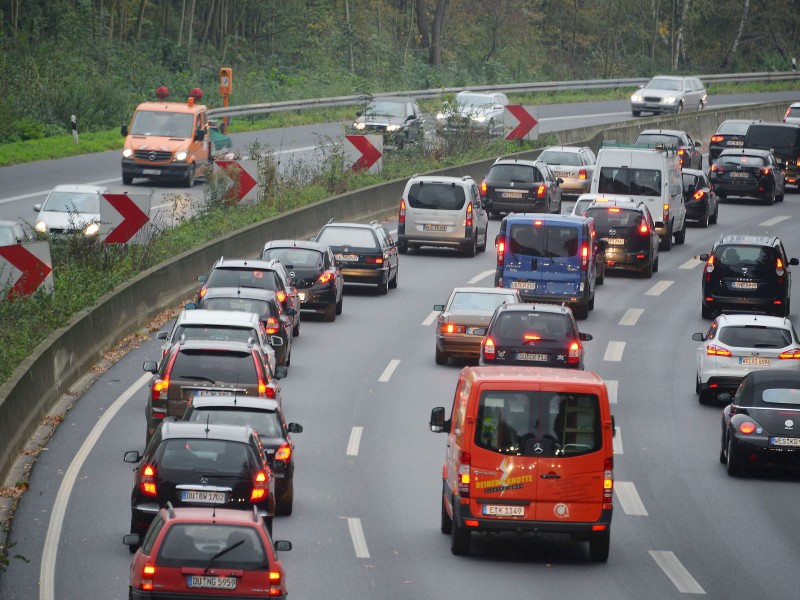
{"points": [[220, 553]]}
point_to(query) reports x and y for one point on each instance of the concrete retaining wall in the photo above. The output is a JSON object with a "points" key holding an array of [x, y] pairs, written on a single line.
{"points": [[59, 361]]}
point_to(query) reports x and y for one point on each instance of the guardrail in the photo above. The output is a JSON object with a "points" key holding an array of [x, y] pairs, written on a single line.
{"points": [[544, 86]]}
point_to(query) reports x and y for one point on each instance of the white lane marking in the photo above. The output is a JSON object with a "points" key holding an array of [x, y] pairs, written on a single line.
{"points": [[387, 372], [658, 288], [44, 193], [691, 263], [773, 221], [613, 387], [629, 499], [303, 149], [614, 351], [355, 441], [53, 537], [631, 316], [430, 318], [359, 541], [677, 573], [614, 114], [616, 441], [480, 276]]}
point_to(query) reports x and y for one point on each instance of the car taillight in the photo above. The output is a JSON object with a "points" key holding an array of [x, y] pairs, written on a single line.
{"points": [[453, 328], [666, 212], [325, 277], [160, 389], [765, 171], [464, 461], [747, 427], [468, 219], [698, 195], [644, 228], [585, 256], [203, 292], [147, 481], [501, 249], [794, 353], [779, 270], [401, 217], [717, 138], [284, 452], [375, 260], [713, 350], [275, 583], [541, 190], [280, 295], [574, 355], [709, 267], [582, 174], [717, 168], [483, 188], [265, 390], [608, 483], [488, 349], [147, 577], [272, 326], [260, 487]]}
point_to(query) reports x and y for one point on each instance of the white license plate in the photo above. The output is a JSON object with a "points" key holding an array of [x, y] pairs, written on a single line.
{"points": [[752, 360], [302, 296], [523, 285], [786, 441], [531, 356], [151, 171], [430, 227], [615, 241], [561, 173], [503, 511], [212, 583], [347, 257], [735, 142], [212, 393], [514, 195], [472, 330], [744, 285], [738, 175], [200, 496]]}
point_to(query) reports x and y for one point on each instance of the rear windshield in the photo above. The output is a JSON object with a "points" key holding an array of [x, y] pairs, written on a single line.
{"points": [[606, 218], [479, 301], [733, 128], [754, 256], [211, 366], [636, 182], [546, 241], [689, 179], [783, 396], [557, 157], [519, 173], [345, 236], [260, 307], [263, 279], [541, 424], [518, 328], [193, 545], [295, 258], [265, 422], [218, 457], [750, 336], [438, 196], [211, 332], [776, 136], [741, 159], [651, 139]]}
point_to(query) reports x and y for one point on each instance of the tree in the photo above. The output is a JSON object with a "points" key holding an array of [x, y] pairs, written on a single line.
{"points": [[732, 52]]}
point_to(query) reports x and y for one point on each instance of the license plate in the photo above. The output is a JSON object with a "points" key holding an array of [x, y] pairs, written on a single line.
{"points": [[752, 360], [212, 583], [503, 511], [531, 356], [302, 296], [523, 285], [347, 257], [744, 285], [514, 195], [212, 393], [200, 496], [786, 441], [472, 330], [735, 142], [151, 172], [738, 175], [615, 241], [561, 173], [430, 227]]}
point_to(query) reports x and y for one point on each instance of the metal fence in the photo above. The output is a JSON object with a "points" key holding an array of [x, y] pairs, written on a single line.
{"points": [[544, 86]]}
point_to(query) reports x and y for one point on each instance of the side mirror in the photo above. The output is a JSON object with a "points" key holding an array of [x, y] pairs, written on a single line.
{"points": [[698, 144], [282, 545], [439, 307], [162, 335], [190, 306], [132, 539], [132, 456], [294, 428], [281, 372], [704, 257], [275, 341], [123, 131], [794, 262], [202, 278], [698, 337], [437, 424], [199, 135], [37, 208], [724, 397], [559, 181], [585, 337], [150, 366]]}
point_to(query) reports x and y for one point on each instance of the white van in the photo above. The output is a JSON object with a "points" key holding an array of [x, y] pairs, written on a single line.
{"points": [[652, 175]]}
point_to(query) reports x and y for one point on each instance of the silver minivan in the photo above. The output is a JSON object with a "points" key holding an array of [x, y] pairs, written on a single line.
{"points": [[444, 212]]}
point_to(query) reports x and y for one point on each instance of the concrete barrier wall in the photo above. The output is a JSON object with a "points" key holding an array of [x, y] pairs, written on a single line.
{"points": [[69, 353]]}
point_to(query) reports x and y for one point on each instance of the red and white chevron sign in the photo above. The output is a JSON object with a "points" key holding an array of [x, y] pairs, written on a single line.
{"points": [[247, 173], [126, 217], [26, 267], [365, 152], [523, 120]]}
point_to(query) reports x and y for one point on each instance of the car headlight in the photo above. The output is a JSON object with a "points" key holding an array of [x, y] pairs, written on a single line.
{"points": [[181, 156], [478, 118], [392, 127], [127, 153], [41, 227], [637, 98], [359, 125], [669, 100], [92, 229]]}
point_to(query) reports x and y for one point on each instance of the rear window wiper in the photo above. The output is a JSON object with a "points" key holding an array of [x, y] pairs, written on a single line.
{"points": [[220, 553], [196, 378]]}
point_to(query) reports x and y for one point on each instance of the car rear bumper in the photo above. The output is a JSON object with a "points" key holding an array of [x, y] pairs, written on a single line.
{"points": [[365, 275], [746, 305], [749, 188], [438, 242], [716, 384], [625, 259], [516, 206], [757, 448], [697, 210], [161, 595], [314, 298], [575, 530], [465, 346]]}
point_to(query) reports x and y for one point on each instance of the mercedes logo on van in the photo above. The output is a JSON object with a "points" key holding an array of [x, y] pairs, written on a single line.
{"points": [[151, 156], [538, 448]]}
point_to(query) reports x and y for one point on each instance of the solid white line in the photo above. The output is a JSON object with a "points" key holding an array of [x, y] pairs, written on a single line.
{"points": [[44, 193], [629, 499], [430, 318], [613, 387], [614, 114], [773, 221], [48, 568], [677, 573], [614, 351], [303, 149], [617, 442], [480, 276], [387, 372], [658, 288], [359, 541], [691, 263], [355, 441], [631, 316]]}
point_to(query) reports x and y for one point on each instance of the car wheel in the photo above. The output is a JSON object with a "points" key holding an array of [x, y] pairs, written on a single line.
{"points": [[636, 113], [666, 241], [493, 214], [715, 216], [722, 458], [447, 523], [599, 545], [771, 197], [704, 397], [647, 270], [268, 521], [296, 329], [284, 506], [189, 179], [288, 359], [329, 314], [472, 248], [779, 197], [706, 311], [127, 179], [601, 278], [731, 460], [700, 106], [402, 248], [679, 109], [482, 247], [340, 305], [459, 539], [680, 237], [383, 287], [393, 281], [704, 221], [655, 265], [441, 357], [581, 311], [591, 303]]}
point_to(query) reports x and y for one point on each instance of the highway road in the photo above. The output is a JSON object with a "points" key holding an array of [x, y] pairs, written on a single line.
{"points": [[366, 517]]}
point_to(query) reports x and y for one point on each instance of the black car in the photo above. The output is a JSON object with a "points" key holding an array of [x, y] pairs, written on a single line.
{"points": [[366, 253], [397, 118], [759, 426], [266, 417], [729, 134], [315, 274], [515, 185], [533, 335], [745, 273], [783, 140], [631, 241], [748, 173], [688, 150], [200, 464], [266, 305], [699, 198]]}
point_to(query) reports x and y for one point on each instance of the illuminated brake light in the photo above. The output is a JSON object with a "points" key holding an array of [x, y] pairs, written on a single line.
{"points": [[203, 292], [779, 270], [501, 249], [531, 337], [272, 326], [147, 577], [259, 487], [614, 210], [280, 295], [747, 427], [464, 472], [574, 356], [488, 349], [147, 481], [483, 187], [585, 256], [582, 174], [794, 354], [765, 171], [698, 195], [375, 260], [325, 277], [401, 218], [538, 223], [275, 583], [713, 350], [541, 190], [608, 483], [717, 138], [710, 265], [716, 168], [284, 452], [453, 328], [161, 389], [468, 219], [644, 228]]}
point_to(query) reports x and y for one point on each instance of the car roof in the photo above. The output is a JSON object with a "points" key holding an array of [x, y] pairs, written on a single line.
{"points": [[694, 171], [253, 263], [200, 316], [738, 121], [306, 244], [486, 290], [215, 345], [233, 401], [727, 319], [556, 219], [212, 516], [675, 77], [248, 293], [620, 203], [781, 125], [677, 132], [745, 151], [371, 225], [84, 189], [172, 107], [510, 374], [534, 306], [595, 196], [441, 179], [746, 240], [774, 375], [211, 431], [520, 161], [567, 148]]}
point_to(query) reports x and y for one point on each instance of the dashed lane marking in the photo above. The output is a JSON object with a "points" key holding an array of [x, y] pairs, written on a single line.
{"points": [[691, 263], [430, 318], [613, 387], [355, 441], [480, 276], [676, 572], [629, 499], [387, 372], [773, 221], [631, 316], [357, 534], [658, 288], [614, 351]]}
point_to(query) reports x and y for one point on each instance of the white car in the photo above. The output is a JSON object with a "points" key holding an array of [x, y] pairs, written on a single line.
{"points": [[792, 113], [735, 345], [475, 109], [70, 209], [584, 201], [667, 94]]}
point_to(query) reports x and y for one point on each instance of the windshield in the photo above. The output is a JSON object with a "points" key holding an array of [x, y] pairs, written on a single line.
{"points": [[436, 196], [551, 241], [636, 182], [386, 108], [194, 544], [73, 202], [474, 100], [773, 136], [260, 307], [652, 139], [741, 159], [607, 218], [522, 173], [215, 367], [556, 157], [220, 457], [733, 128], [346, 236], [750, 336], [164, 124], [295, 258], [662, 83], [265, 422]]}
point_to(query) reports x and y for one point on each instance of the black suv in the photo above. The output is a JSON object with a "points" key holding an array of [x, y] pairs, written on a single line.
{"points": [[533, 335], [266, 417], [783, 139], [314, 271], [746, 273], [366, 253], [397, 118], [514, 185], [689, 154], [729, 134], [200, 464], [631, 241], [700, 198], [749, 173]]}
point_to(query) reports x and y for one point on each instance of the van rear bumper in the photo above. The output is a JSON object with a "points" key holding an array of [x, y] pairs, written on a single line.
{"points": [[573, 529], [440, 242], [176, 170]]}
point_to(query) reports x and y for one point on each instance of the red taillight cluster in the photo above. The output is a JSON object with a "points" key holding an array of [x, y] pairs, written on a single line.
{"points": [[325, 277], [265, 390], [665, 208], [401, 217], [147, 481], [284, 452], [374, 260], [260, 487], [160, 389], [717, 138], [280, 295], [582, 174], [488, 349], [272, 326], [585, 256], [765, 171], [464, 472], [501, 250], [147, 577], [574, 354], [541, 191], [793, 354], [717, 168], [483, 187], [468, 219], [779, 270], [275, 578], [713, 350], [608, 483], [453, 328], [747, 427], [203, 292], [699, 194], [644, 228]]}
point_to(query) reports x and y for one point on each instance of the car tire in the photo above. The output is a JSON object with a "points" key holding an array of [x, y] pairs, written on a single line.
{"points": [[581, 311], [393, 281], [472, 248], [704, 221], [268, 522], [482, 247], [679, 108], [600, 279], [446, 525], [383, 287], [284, 506], [771, 198], [599, 545], [590, 305], [127, 179], [296, 329], [655, 265], [704, 397], [188, 181], [329, 314], [460, 538], [706, 312], [647, 270], [680, 237], [779, 197], [731, 460], [441, 357], [666, 241], [402, 248], [713, 218], [340, 304], [722, 458], [636, 113]]}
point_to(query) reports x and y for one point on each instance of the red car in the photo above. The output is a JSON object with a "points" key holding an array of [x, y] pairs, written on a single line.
{"points": [[206, 553]]}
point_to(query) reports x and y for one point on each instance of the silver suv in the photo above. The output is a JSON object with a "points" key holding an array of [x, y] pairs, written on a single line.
{"points": [[445, 212]]}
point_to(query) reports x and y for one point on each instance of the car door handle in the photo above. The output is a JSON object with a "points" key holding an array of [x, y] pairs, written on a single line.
{"points": [[550, 476]]}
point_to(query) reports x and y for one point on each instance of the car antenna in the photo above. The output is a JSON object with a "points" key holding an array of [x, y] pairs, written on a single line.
{"points": [[208, 421]]}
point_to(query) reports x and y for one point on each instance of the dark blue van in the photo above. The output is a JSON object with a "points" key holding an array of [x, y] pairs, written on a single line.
{"points": [[549, 258]]}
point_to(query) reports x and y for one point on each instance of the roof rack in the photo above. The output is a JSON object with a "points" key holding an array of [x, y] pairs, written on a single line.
{"points": [[374, 222], [170, 510], [331, 221]]}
